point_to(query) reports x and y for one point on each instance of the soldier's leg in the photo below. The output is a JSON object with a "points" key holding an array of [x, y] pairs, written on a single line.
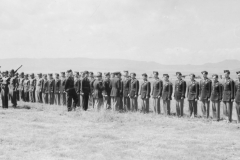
{"points": [[69, 102], [208, 107], [229, 108], [6, 99], [3, 98], [34, 97], [55, 99], [78, 104], [181, 107], [214, 110], [143, 103], [203, 107], [132, 101], [168, 107], [178, 107], [237, 105], [147, 105], [158, 106], [14, 98], [190, 108], [225, 112], [165, 107], [75, 99], [17, 95], [195, 108]]}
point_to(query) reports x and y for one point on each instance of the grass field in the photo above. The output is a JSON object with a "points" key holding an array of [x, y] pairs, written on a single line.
{"points": [[34, 131]]}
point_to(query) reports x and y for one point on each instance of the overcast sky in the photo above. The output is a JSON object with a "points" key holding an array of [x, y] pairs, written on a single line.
{"points": [[165, 31]]}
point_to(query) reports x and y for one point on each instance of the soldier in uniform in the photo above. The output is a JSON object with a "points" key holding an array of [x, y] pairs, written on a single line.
{"points": [[157, 92], [57, 89], [205, 93], [71, 93], [145, 91], [13, 89], [51, 82], [125, 91], [216, 97], [98, 92], [5, 89], [45, 89], [179, 94], [192, 94], [115, 86], [17, 91], [85, 90], [121, 93], [20, 86], [77, 86], [39, 88], [133, 92], [228, 96], [167, 94], [26, 87], [32, 89], [107, 91], [91, 99], [62, 91], [237, 97]]}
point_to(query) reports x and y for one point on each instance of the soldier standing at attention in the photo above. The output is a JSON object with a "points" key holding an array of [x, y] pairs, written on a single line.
{"points": [[237, 97], [216, 97], [167, 94], [121, 93], [157, 93], [115, 84], [62, 91], [179, 94], [192, 94], [13, 89], [26, 86], [205, 93], [77, 86], [145, 91], [45, 90], [32, 89], [57, 89], [20, 86], [98, 92], [51, 82], [91, 99], [5, 89], [107, 91], [125, 91], [71, 93], [85, 90], [17, 90], [228, 96], [39, 88], [133, 92]]}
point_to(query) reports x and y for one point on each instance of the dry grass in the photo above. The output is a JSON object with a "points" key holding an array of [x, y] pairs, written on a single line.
{"points": [[49, 132]]}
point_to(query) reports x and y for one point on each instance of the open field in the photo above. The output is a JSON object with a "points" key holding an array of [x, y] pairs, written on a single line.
{"points": [[35, 131]]}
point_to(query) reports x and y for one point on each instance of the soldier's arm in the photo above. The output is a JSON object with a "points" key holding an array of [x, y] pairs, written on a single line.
{"points": [[187, 90], [221, 91], [160, 88], [210, 88], [137, 85], [184, 86], [66, 86], [148, 89], [197, 90], [170, 91], [232, 85], [200, 88]]}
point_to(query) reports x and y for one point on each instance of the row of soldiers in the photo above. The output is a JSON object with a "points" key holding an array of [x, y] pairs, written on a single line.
{"points": [[119, 91]]}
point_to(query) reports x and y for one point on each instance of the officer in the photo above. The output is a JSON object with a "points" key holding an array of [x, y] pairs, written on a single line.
{"points": [[77, 86], [26, 86], [237, 96], [216, 97], [167, 94], [228, 96], [91, 99], [133, 92], [45, 89], [157, 92], [13, 88], [32, 89], [62, 91], [145, 91], [17, 91], [85, 90], [51, 84], [39, 88], [5, 89], [115, 86], [107, 91], [20, 86], [71, 93], [179, 94], [192, 94], [57, 89], [98, 92], [125, 91], [205, 93]]}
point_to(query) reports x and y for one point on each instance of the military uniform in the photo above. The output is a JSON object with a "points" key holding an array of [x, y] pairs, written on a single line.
{"points": [[179, 95], [17, 91], [115, 86], [216, 97], [77, 86], [5, 90], [237, 98], [20, 87], [107, 92], [13, 90], [145, 91], [39, 89], [85, 91], [45, 90], [91, 99], [133, 94], [32, 89], [98, 93], [26, 86], [167, 97], [57, 91], [156, 94], [192, 95], [62, 91], [71, 93], [125, 91]]}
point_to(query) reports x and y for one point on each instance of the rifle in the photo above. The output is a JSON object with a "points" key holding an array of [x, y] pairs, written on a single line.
{"points": [[17, 69]]}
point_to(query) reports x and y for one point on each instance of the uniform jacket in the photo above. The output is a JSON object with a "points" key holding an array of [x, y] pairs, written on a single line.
{"points": [[51, 85], [20, 83], [91, 85], [85, 86], [145, 89], [125, 87], [77, 85], [98, 89], [228, 90], [13, 84], [45, 88], [180, 89], [115, 86], [62, 85], [39, 85], [5, 84], [26, 85], [157, 88], [217, 90], [134, 88], [69, 85], [237, 91], [167, 91], [32, 85], [193, 90], [205, 89], [107, 88], [57, 87]]}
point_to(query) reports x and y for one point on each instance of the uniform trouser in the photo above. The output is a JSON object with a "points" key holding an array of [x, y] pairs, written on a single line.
{"points": [[45, 98], [63, 99], [115, 102], [91, 101], [57, 99], [21, 95], [39, 97], [133, 104], [227, 110], [51, 98], [32, 96], [79, 100], [17, 95], [205, 105], [85, 98], [98, 104], [237, 105], [166, 107], [145, 105], [26, 96], [107, 102], [72, 95], [216, 110], [193, 107], [156, 105], [126, 103], [13, 97], [120, 103], [4, 97], [179, 107]]}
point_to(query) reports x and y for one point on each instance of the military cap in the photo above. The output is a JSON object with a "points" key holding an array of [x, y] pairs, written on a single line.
{"points": [[76, 72], [44, 75], [85, 72], [56, 74], [12, 71], [16, 73], [116, 73], [133, 73], [238, 72], [155, 72], [6, 72], [144, 74], [107, 74], [62, 73], [204, 72], [178, 73], [39, 73], [215, 75], [68, 71], [165, 75], [125, 71], [192, 74], [22, 73], [226, 71], [50, 74], [99, 74], [26, 75], [32, 74]]}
